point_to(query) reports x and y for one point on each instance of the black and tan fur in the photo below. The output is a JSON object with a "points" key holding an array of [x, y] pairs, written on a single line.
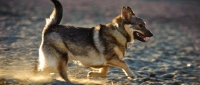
{"points": [[100, 47]]}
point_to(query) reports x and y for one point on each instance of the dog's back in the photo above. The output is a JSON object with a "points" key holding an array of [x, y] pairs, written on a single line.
{"points": [[76, 39]]}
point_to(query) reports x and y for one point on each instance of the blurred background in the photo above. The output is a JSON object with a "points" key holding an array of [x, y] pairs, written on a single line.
{"points": [[172, 55]]}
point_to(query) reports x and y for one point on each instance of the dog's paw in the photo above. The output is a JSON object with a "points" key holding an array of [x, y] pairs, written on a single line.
{"points": [[92, 74], [89, 75], [132, 77], [95, 74]]}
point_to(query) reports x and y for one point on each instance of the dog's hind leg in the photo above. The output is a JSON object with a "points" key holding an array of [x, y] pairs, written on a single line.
{"points": [[102, 72], [62, 67]]}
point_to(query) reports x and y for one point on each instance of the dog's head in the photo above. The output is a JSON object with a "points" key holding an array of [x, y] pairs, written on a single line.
{"points": [[134, 26]]}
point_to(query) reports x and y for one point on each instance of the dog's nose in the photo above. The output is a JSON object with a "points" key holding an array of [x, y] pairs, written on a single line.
{"points": [[149, 34]]}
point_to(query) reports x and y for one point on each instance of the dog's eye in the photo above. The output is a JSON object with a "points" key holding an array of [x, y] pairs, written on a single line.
{"points": [[140, 25]]}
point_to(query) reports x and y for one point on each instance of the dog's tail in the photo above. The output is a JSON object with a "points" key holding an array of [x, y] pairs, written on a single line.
{"points": [[56, 15]]}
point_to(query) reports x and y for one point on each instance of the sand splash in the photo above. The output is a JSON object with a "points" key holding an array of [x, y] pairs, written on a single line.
{"points": [[27, 77]]}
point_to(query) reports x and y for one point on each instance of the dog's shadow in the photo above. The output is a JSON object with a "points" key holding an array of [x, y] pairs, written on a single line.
{"points": [[74, 82], [59, 82]]}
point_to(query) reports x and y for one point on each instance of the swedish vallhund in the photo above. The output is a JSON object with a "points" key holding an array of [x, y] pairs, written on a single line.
{"points": [[98, 47]]}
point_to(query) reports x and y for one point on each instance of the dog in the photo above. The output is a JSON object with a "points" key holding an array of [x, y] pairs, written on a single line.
{"points": [[99, 47]]}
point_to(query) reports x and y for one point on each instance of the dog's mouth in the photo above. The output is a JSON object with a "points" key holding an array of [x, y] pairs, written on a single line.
{"points": [[140, 37]]}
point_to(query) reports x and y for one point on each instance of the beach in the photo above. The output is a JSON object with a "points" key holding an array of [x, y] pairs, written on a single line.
{"points": [[170, 57]]}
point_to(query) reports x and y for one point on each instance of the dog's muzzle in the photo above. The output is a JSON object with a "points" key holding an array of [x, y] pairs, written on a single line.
{"points": [[142, 37]]}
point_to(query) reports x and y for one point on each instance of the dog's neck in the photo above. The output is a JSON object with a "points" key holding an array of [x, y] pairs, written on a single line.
{"points": [[121, 31]]}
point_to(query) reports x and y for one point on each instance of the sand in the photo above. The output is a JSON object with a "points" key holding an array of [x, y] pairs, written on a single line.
{"points": [[170, 57]]}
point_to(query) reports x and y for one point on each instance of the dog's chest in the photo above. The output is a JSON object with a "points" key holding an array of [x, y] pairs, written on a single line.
{"points": [[119, 52]]}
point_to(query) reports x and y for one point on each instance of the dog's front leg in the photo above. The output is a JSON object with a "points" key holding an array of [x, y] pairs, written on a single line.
{"points": [[121, 64], [102, 72]]}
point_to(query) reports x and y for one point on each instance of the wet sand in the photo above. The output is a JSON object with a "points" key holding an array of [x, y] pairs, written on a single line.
{"points": [[170, 57]]}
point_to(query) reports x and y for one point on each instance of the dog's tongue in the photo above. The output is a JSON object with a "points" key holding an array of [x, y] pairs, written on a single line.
{"points": [[144, 37]]}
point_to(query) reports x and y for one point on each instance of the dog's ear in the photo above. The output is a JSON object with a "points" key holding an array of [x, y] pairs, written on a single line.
{"points": [[130, 10], [126, 13]]}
